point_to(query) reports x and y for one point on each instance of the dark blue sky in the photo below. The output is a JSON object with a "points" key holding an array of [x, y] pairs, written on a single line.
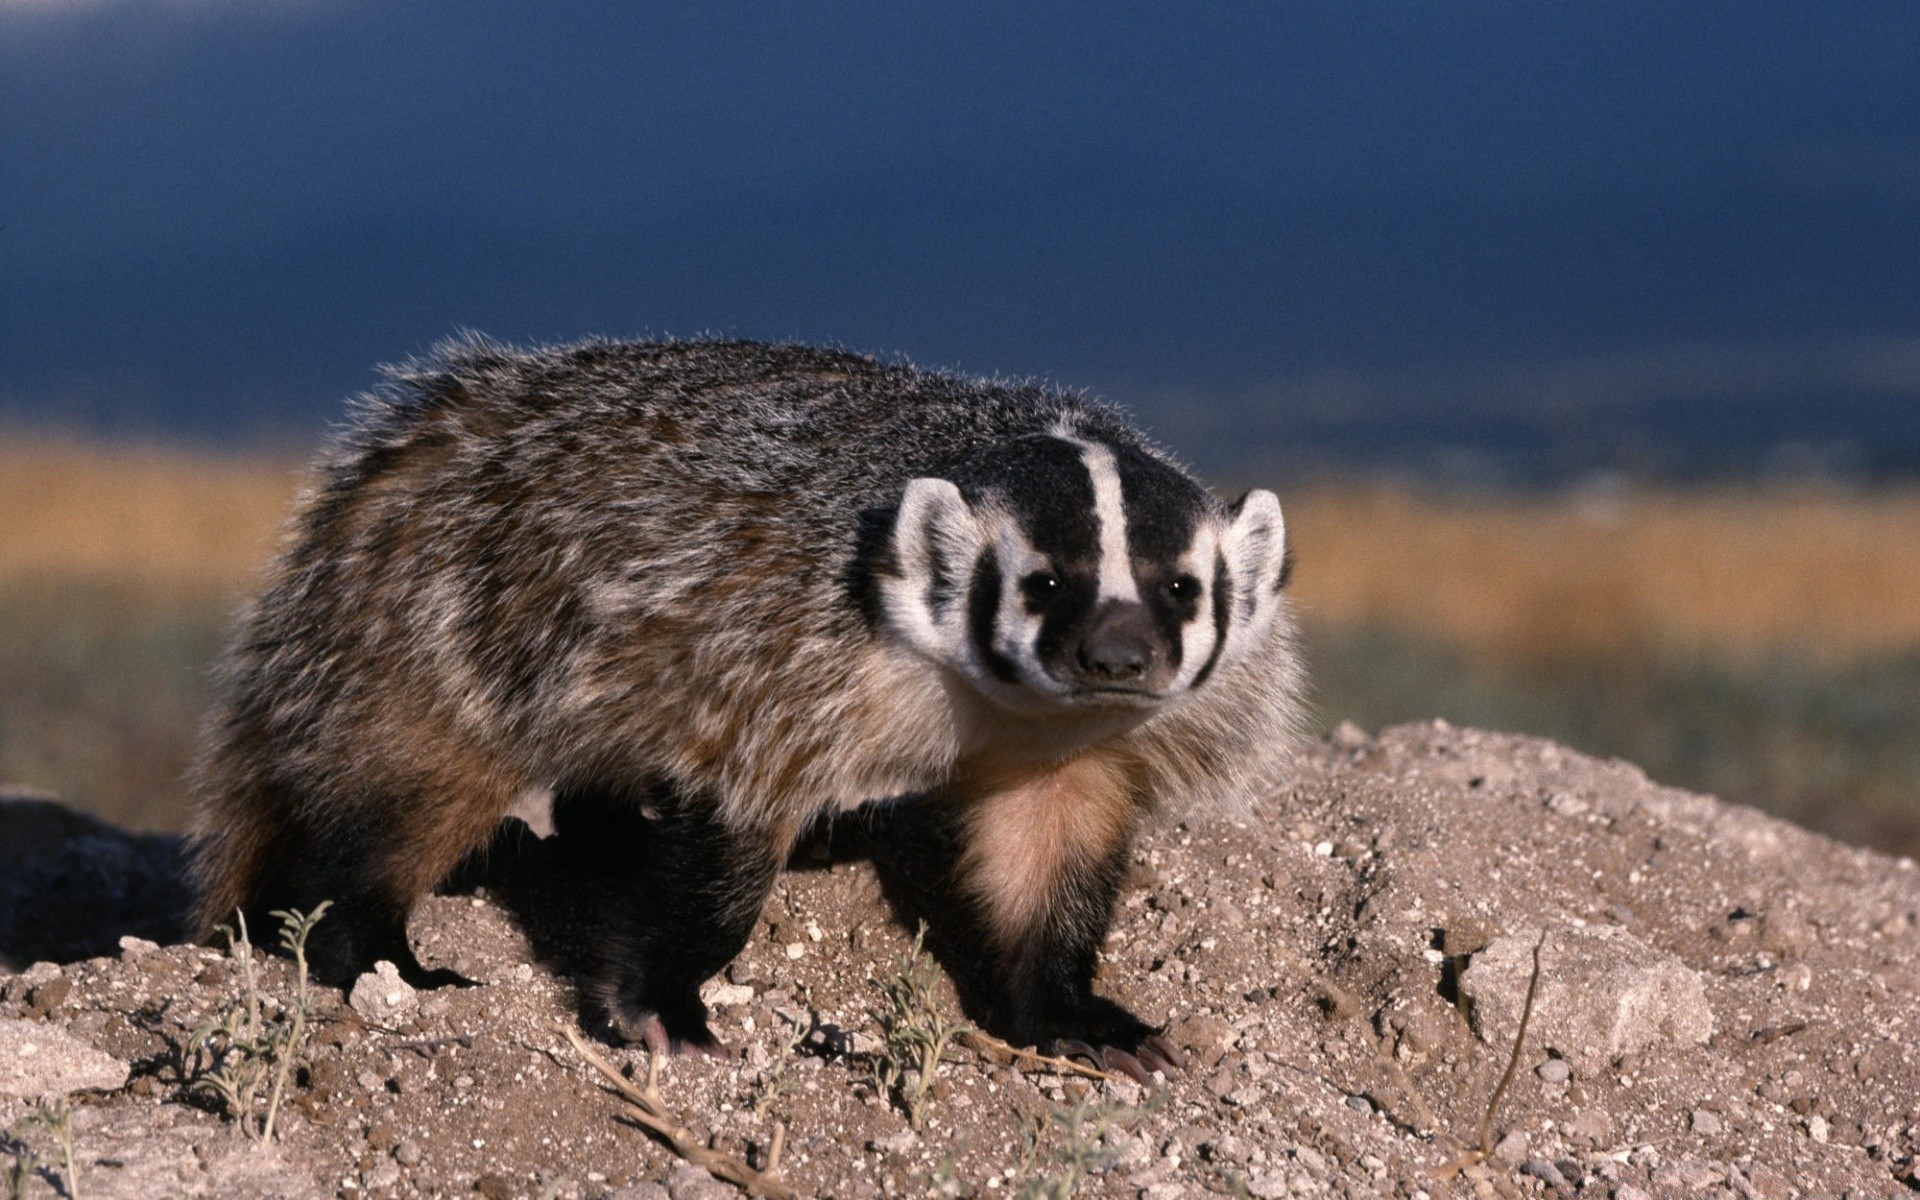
{"points": [[1548, 229]]}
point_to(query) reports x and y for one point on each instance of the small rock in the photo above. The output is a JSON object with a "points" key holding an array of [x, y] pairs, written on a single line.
{"points": [[1706, 1122], [136, 947], [381, 995], [1545, 1172], [1627, 1191], [1603, 993], [1512, 1149], [1465, 936], [897, 1143], [1818, 1129], [688, 1182], [1784, 932], [381, 1175], [494, 1187], [726, 995], [1591, 1125], [1208, 1038], [44, 998], [39, 1061], [407, 1153], [1554, 1070], [1270, 1186]]}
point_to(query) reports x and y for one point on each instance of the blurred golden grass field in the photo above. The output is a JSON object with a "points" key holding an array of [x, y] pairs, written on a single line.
{"points": [[119, 564]]}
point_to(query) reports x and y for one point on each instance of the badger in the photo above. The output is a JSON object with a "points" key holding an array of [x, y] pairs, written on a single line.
{"points": [[728, 588]]}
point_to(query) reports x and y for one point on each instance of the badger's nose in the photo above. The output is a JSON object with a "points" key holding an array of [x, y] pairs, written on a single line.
{"points": [[1118, 646]]}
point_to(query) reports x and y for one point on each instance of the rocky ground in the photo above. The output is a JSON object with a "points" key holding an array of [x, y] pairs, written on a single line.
{"points": [[1722, 1005]]}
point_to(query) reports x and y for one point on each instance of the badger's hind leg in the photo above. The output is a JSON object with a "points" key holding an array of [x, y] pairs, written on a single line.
{"points": [[369, 850], [372, 874], [679, 894]]}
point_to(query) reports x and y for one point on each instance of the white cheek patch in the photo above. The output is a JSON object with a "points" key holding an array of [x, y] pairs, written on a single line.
{"points": [[1200, 634], [1016, 632]]}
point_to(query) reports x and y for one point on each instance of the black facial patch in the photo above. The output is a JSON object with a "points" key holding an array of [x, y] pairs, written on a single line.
{"points": [[1044, 484], [983, 609], [1222, 615], [1066, 617], [1164, 507]]}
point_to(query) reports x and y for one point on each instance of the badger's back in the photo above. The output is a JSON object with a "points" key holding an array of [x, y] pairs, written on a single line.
{"points": [[630, 560]]}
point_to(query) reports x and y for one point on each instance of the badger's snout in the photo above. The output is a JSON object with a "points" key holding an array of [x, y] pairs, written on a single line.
{"points": [[1120, 647]]}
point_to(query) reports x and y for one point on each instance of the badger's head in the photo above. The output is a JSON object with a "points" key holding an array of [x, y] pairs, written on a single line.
{"points": [[1067, 572]]}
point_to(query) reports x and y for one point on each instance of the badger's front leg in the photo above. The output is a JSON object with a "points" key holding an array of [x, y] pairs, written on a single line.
{"points": [[1043, 850], [681, 892]]}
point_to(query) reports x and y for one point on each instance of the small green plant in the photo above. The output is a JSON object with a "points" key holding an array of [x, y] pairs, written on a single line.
{"points": [[778, 1082], [56, 1118], [915, 1033], [247, 1055], [1071, 1143]]}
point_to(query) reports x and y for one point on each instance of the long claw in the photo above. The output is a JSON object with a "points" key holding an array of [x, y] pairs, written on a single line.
{"points": [[653, 1032], [1120, 1062], [705, 1049], [1162, 1055], [1073, 1048]]}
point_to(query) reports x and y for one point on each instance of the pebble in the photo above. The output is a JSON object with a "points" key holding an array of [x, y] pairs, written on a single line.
{"points": [[1554, 1070], [688, 1182], [494, 1187], [136, 947], [1270, 1186], [381, 1175], [407, 1153], [1545, 1172], [381, 995], [39, 1060], [1707, 1122], [1512, 1148]]}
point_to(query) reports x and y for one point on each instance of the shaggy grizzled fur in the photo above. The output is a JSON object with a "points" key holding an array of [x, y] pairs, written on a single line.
{"points": [[724, 588]]}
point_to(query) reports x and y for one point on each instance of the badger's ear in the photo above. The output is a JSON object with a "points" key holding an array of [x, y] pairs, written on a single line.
{"points": [[936, 538], [1256, 550]]}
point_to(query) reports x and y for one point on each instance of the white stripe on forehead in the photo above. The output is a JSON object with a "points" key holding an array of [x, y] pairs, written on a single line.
{"points": [[1110, 514]]}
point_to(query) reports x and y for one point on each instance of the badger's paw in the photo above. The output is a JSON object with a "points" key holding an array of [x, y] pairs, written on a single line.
{"points": [[1116, 1041], [671, 1029]]}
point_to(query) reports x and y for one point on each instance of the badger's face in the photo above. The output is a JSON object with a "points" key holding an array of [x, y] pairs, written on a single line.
{"points": [[1060, 571]]}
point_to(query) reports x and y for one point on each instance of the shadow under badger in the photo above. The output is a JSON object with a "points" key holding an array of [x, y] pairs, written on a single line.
{"points": [[728, 588]]}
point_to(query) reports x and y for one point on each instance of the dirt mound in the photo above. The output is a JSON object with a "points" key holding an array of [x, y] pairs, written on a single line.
{"points": [[1721, 1004]]}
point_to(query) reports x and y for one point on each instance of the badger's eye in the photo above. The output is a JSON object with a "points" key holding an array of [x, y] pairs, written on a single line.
{"points": [[1184, 589], [1040, 587]]}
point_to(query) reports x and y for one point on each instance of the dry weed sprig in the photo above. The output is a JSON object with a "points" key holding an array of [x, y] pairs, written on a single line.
{"points": [[253, 1055], [649, 1109], [1080, 1146], [914, 1031], [777, 1083], [57, 1119], [1484, 1150], [986, 1043]]}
